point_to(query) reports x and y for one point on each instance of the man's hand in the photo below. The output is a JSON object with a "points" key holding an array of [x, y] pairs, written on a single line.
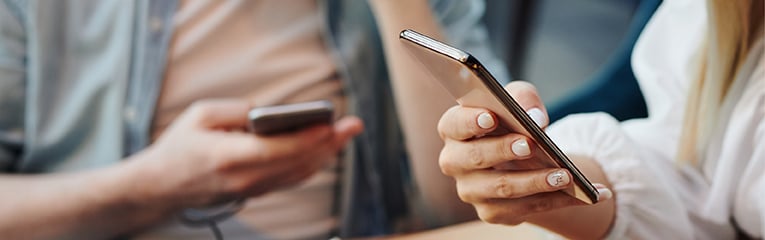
{"points": [[204, 158]]}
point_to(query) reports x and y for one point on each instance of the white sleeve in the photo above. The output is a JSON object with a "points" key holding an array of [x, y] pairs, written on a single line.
{"points": [[647, 207], [750, 206]]}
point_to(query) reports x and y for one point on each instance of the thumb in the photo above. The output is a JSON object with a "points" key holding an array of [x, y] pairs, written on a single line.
{"points": [[347, 128]]}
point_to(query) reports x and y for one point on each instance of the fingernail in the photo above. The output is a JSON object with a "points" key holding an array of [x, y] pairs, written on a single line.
{"points": [[485, 121], [604, 193], [521, 148], [538, 116], [558, 178]]}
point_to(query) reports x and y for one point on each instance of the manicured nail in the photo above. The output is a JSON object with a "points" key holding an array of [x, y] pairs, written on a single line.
{"points": [[558, 178], [521, 148], [485, 121], [603, 192], [538, 116]]}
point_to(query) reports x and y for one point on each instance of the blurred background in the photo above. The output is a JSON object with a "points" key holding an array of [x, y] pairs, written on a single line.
{"points": [[575, 52]]}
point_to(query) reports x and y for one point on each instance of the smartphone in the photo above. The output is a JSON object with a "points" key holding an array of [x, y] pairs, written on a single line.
{"points": [[471, 84], [290, 117]]}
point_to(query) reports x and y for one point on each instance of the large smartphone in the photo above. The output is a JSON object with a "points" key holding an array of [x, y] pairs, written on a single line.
{"points": [[290, 117], [471, 84]]}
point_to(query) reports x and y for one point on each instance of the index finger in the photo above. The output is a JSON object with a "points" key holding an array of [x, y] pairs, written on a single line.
{"points": [[214, 113], [462, 123], [249, 148]]}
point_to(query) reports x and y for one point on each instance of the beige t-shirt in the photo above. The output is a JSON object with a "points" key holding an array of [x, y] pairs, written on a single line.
{"points": [[270, 52]]}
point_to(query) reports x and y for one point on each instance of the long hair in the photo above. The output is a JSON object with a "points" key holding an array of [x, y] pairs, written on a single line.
{"points": [[733, 26]]}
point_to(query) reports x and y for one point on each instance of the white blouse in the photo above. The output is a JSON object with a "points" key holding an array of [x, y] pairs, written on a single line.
{"points": [[656, 198]]}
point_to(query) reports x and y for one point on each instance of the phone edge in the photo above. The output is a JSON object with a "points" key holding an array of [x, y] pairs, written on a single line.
{"points": [[508, 101], [530, 126]]}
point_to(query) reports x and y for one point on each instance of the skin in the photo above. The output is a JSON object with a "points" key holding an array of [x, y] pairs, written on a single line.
{"points": [[512, 197], [419, 120], [200, 160]]}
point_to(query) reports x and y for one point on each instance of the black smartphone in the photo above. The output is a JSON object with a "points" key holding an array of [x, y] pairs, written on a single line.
{"points": [[290, 117], [471, 84]]}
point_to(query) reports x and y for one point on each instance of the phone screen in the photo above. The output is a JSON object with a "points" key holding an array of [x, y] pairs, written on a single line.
{"points": [[471, 84]]}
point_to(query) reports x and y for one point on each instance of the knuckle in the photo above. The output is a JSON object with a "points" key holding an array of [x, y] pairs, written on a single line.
{"points": [[255, 148], [504, 188], [488, 214], [220, 160], [464, 196], [200, 109], [445, 162], [221, 165], [463, 193], [476, 157], [267, 155], [237, 187], [444, 127]]}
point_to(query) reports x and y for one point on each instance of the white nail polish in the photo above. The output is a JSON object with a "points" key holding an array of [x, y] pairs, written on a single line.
{"points": [[521, 148], [603, 192], [558, 178], [538, 116], [485, 121]]}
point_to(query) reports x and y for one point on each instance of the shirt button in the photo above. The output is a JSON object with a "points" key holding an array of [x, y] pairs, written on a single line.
{"points": [[155, 24], [129, 114]]}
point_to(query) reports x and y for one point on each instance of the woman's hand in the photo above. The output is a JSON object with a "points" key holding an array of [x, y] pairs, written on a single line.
{"points": [[475, 160], [204, 158]]}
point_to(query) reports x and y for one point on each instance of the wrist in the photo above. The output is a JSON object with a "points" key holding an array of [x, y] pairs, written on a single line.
{"points": [[141, 188]]}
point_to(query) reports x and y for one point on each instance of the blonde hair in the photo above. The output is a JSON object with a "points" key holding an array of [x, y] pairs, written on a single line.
{"points": [[733, 26]]}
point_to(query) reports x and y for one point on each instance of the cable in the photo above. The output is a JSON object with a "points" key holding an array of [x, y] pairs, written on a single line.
{"points": [[216, 231], [210, 216]]}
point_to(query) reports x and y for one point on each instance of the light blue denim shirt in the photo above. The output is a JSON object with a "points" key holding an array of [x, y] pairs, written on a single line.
{"points": [[79, 81]]}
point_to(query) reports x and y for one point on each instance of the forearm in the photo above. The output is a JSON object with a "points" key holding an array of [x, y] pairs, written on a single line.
{"points": [[420, 102], [95, 204]]}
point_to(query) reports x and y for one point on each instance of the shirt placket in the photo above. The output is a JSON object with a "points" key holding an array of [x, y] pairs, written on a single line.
{"points": [[150, 46]]}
